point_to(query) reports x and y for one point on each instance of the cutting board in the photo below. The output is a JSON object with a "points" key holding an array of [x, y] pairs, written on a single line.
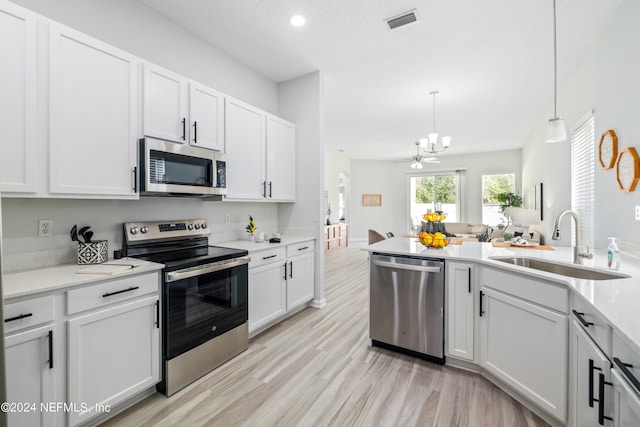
{"points": [[105, 269]]}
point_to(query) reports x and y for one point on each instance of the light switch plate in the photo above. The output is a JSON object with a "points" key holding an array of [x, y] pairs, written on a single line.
{"points": [[637, 213]]}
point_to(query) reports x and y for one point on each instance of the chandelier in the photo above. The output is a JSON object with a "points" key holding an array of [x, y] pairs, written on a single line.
{"points": [[430, 144]]}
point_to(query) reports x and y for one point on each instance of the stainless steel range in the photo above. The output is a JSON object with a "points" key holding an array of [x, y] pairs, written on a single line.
{"points": [[204, 297]]}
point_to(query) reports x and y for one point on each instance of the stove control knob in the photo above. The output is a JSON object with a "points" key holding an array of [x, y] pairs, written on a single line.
{"points": [[190, 226], [197, 226], [144, 230], [134, 230], [204, 225]]}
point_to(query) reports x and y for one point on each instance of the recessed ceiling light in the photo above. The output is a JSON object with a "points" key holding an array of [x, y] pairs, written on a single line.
{"points": [[297, 20]]}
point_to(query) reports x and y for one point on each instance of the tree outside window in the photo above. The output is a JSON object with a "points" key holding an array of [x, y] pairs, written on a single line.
{"points": [[427, 190], [492, 185]]}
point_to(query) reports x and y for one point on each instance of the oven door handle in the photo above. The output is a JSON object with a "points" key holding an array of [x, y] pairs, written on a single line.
{"points": [[186, 273]]}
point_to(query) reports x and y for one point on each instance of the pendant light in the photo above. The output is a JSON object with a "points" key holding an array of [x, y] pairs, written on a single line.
{"points": [[556, 130], [430, 144]]}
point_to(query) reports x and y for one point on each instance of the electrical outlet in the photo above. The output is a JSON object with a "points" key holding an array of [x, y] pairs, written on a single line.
{"points": [[637, 213], [45, 228], [227, 219]]}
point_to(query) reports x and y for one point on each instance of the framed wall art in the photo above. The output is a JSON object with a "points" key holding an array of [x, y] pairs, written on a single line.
{"points": [[372, 200], [628, 169], [608, 149]]}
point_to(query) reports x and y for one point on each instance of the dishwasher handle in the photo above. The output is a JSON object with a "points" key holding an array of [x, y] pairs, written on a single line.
{"points": [[399, 266]]}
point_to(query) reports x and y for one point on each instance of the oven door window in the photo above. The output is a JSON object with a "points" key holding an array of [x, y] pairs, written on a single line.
{"points": [[202, 307], [178, 169]]}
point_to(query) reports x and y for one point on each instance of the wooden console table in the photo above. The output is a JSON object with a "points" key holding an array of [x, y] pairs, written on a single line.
{"points": [[336, 236]]}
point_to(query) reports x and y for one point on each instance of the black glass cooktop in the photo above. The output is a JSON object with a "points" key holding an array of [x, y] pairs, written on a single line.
{"points": [[189, 257]]}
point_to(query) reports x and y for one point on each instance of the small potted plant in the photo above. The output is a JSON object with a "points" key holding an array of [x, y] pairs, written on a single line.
{"points": [[251, 228]]}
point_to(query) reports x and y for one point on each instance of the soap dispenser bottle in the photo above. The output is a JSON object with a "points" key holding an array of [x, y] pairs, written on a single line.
{"points": [[613, 254]]}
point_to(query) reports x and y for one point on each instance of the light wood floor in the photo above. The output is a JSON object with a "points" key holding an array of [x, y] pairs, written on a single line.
{"points": [[316, 369]]}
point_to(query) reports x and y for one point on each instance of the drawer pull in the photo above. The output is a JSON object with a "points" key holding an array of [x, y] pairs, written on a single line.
{"points": [[624, 367], [581, 319], [18, 317], [303, 248], [269, 257], [108, 294]]}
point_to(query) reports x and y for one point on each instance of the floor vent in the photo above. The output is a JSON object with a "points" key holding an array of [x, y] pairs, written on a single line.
{"points": [[402, 20]]}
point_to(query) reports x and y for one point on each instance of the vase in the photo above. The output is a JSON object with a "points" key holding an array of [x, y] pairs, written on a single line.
{"points": [[252, 237]]}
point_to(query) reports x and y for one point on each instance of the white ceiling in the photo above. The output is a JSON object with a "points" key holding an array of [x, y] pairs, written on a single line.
{"points": [[491, 60]]}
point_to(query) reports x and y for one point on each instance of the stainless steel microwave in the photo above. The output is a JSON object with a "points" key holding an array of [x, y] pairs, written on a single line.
{"points": [[172, 169]]}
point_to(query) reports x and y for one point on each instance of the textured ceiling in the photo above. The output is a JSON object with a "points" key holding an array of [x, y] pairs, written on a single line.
{"points": [[491, 61]]}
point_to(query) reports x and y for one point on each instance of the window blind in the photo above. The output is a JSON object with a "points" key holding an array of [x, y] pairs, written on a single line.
{"points": [[582, 181]]}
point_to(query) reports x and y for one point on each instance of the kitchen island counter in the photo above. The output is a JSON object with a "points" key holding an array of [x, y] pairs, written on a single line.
{"points": [[616, 300]]}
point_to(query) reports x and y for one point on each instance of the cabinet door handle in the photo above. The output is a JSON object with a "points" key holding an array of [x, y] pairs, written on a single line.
{"points": [[592, 367], [624, 367], [108, 294], [158, 314], [285, 271], [184, 128], [134, 173], [481, 310], [264, 189], [195, 132], [469, 279], [18, 317], [50, 349], [581, 319], [290, 269], [270, 189], [601, 384]]}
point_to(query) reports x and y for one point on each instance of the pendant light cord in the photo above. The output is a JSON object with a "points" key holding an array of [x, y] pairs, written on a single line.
{"points": [[555, 65], [434, 93]]}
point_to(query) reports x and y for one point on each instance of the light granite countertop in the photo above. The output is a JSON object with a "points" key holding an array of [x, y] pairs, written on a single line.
{"points": [[49, 279], [616, 300]]}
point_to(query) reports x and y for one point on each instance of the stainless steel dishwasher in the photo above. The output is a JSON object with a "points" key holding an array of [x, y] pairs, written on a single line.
{"points": [[406, 305]]}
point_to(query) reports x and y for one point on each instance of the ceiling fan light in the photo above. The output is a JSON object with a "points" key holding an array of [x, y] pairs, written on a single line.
{"points": [[446, 141], [416, 165], [433, 138], [556, 131]]}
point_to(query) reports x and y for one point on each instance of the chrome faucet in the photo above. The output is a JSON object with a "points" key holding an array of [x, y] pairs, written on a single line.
{"points": [[577, 255]]}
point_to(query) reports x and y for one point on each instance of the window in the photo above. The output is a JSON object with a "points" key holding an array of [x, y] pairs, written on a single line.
{"points": [[582, 184], [492, 185], [428, 192]]}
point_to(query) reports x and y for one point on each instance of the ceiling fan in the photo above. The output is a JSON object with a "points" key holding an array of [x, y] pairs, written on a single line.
{"points": [[419, 159]]}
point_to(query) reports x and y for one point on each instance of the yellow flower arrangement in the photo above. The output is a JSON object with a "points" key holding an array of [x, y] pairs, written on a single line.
{"points": [[251, 227]]}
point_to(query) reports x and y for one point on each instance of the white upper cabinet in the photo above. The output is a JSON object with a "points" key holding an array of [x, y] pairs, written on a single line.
{"points": [[179, 110], [281, 159], [93, 105], [245, 146], [165, 105], [206, 111], [18, 32], [261, 154]]}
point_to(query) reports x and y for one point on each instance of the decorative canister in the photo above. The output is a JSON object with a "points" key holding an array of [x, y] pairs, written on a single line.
{"points": [[95, 252]]}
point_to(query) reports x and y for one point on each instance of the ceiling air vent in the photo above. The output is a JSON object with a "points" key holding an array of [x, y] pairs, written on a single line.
{"points": [[402, 20]]}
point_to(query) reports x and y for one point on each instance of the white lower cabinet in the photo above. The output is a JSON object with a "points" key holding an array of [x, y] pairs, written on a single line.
{"points": [[113, 354], [281, 280], [31, 375], [524, 343], [460, 314], [589, 378], [267, 295], [625, 376]]}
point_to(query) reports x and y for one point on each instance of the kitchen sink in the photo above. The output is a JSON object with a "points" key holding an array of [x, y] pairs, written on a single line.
{"points": [[577, 272]]}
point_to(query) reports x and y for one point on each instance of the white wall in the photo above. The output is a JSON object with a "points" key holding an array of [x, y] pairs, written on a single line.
{"points": [[300, 100], [132, 26], [607, 82], [391, 181]]}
